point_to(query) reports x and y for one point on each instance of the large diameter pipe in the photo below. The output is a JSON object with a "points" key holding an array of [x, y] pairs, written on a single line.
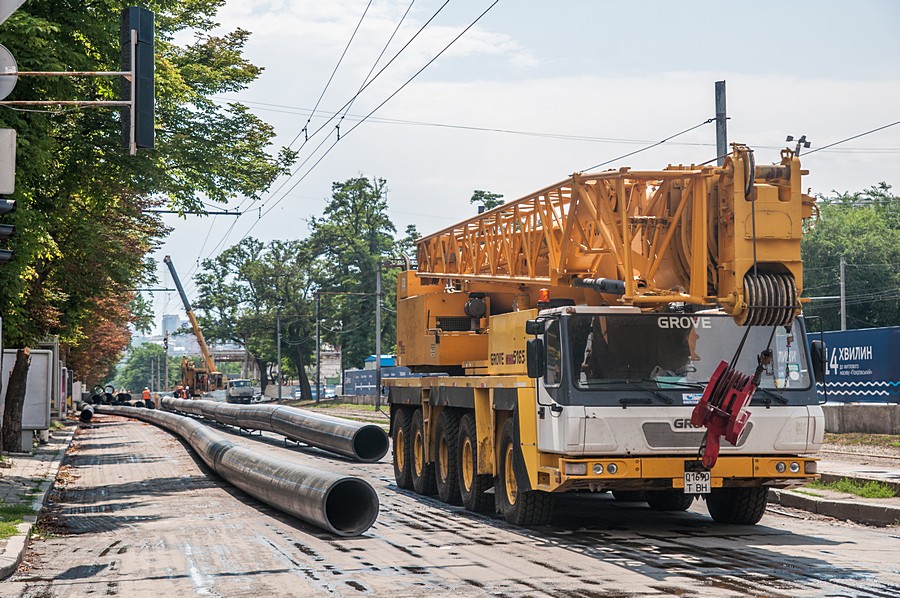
{"points": [[367, 443], [343, 505], [363, 442]]}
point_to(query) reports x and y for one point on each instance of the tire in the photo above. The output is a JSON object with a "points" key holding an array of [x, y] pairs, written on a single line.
{"points": [[519, 507], [446, 457], [400, 440], [422, 473], [629, 496], [742, 506], [669, 500], [472, 486]]}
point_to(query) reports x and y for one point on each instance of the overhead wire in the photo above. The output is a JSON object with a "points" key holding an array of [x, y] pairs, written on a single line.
{"points": [[333, 72], [818, 149], [360, 122], [644, 149], [377, 60], [357, 94]]}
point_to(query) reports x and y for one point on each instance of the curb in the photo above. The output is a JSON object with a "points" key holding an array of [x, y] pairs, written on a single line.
{"points": [[866, 513], [11, 555]]}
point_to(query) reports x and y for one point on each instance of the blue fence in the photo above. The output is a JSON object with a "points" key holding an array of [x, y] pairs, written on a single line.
{"points": [[863, 365]]}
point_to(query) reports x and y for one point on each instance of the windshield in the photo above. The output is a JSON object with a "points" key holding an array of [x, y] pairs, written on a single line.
{"points": [[240, 383], [675, 351]]}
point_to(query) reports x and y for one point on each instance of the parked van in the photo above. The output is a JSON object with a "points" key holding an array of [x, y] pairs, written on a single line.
{"points": [[239, 391]]}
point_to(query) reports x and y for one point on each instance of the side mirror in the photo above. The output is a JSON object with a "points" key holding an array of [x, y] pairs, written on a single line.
{"points": [[819, 359], [534, 326], [535, 362]]}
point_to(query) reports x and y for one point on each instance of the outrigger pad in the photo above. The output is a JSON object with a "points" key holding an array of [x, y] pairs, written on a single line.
{"points": [[721, 410]]}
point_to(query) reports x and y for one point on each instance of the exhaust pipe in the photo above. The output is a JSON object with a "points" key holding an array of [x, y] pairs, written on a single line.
{"points": [[366, 443], [342, 505]]}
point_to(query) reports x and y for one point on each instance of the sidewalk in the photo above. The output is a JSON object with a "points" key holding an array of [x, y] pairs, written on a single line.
{"points": [[841, 505], [28, 481]]}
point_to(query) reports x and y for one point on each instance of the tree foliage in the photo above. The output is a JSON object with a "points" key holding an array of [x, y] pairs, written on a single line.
{"points": [[485, 200], [82, 231], [244, 289], [144, 368], [864, 229]]}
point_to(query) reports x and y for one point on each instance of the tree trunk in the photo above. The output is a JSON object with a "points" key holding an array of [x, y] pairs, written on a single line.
{"points": [[305, 389], [15, 401], [262, 365]]}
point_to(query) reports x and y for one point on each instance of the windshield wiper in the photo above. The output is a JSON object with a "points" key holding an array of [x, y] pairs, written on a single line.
{"points": [[632, 401], [772, 395], [637, 383]]}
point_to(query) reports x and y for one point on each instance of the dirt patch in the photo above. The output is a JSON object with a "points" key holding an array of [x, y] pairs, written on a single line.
{"points": [[883, 444]]}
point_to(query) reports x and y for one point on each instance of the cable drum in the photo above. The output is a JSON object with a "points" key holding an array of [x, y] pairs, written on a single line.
{"points": [[771, 299]]}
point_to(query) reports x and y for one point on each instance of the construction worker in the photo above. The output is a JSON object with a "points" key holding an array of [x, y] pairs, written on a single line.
{"points": [[146, 394]]}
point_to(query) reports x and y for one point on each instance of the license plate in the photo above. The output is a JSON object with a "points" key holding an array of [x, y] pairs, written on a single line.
{"points": [[696, 482]]}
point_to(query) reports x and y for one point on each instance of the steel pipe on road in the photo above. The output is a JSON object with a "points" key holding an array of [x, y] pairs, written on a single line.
{"points": [[343, 505], [366, 443]]}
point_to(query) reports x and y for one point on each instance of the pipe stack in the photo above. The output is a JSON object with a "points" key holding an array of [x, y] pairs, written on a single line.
{"points": [[366, 443], [342, 505]]}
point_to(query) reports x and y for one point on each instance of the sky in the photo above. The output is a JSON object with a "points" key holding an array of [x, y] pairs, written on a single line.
{"points": [[537, 90]]}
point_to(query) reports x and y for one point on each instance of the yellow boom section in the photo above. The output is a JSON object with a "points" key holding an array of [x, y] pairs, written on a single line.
{"points": [[704, 235]]}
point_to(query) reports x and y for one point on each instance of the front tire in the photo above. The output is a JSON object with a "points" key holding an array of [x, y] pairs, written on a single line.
{"points": [[519, 507], [669, 500], [400, 437], [473, 487], [742, 506], [422, 473], [446, 457]]}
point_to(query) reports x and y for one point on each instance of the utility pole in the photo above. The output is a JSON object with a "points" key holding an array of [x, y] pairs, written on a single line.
{"points": [[721, 128], [378, 334], [843, 297], [166, 366], [278, 365], [318, 350]]}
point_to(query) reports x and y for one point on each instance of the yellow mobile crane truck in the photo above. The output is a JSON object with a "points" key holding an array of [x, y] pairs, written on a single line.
{"points": [[205, 377], [569, 341]]}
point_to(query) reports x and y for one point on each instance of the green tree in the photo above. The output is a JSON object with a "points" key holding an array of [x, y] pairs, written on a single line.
{"points": [[82, 230], [485, 200], [352, 240], [248, 287], [864, 229], [143, 368]]}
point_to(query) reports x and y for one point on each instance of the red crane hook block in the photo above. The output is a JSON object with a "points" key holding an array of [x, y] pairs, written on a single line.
{"points": [[721, 410]]}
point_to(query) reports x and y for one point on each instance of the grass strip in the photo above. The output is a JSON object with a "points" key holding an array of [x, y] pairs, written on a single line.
{"points": [[870, 489]]}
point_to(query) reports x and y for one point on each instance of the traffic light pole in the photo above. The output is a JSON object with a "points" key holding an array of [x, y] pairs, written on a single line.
{"points": [[132, 16]]}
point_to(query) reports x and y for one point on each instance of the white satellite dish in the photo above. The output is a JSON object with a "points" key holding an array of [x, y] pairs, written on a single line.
{"points": [[7, 65]]}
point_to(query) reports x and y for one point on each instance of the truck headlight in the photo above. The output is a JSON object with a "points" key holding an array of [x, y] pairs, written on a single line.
{"points": [[780, 467], [612, 468], [598, 468], [795, 467], [576, 468]]}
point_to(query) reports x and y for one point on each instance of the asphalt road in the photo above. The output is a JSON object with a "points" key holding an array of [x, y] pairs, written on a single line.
{"points": [[134, 514]]}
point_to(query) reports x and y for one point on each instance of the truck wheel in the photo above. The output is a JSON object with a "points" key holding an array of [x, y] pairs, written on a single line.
{"points": [[743, 506], [669, 500], [519, 507], [422, 473], [472, 486], [446, 462], [401, 438]]}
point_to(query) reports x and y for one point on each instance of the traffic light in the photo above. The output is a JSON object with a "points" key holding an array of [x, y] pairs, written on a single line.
{"points": [[6, 230], [140, 20]]}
